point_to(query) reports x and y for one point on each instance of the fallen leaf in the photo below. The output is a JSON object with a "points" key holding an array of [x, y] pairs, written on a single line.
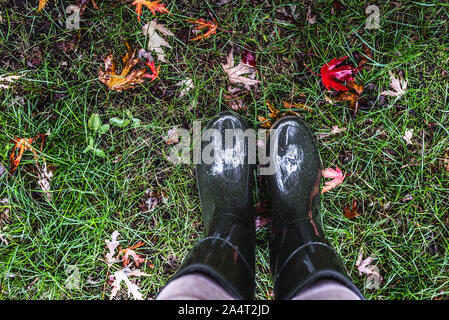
{"points": [[129, 252], [352, 95], [351, 211], [187, 85], [331, 72], [337, 178], [153, 6], [311, 18], [365, 266], [127, 78], [112, 246], [172, 137], [42, 4], [133, 289], [21, 145], [201, 24], [5, 80], [399, 86], [4, 212], [261, 222], [235, 73], [156, 42], [408, 136], [272, 116], [44, 178], [290, 106], [154, 198], [248, 58], [233, 99]]}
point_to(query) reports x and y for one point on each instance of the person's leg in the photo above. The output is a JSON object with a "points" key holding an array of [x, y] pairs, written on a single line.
{"points": [[226, 252], [194, 286], [300, 255], [326, 290]]}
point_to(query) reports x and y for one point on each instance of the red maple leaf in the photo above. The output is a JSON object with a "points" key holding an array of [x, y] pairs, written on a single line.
{"points": [[330, 73]]}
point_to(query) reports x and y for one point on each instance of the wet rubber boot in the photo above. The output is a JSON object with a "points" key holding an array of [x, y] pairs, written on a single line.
{"points": [[299, 252], [226, 252]]}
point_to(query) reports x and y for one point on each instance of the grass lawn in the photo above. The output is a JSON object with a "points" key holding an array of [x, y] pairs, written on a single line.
{"points": [[401, 187]]}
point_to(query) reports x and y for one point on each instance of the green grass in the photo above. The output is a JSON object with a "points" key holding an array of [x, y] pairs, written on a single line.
{"points": [[92, 197]]}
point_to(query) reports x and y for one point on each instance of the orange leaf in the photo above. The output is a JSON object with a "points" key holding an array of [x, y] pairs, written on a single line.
{"points": [[337, 178], [21, 145], [127, 78], [154, 7], [130, 252], [200, 24]]}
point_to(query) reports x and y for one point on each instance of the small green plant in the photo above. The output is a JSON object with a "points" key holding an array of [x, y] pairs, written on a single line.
{"points": [[98, 128], [125, 121]]}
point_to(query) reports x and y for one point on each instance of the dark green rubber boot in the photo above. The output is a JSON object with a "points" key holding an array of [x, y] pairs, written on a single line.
{"points": [[225, 182], [299, 253]]}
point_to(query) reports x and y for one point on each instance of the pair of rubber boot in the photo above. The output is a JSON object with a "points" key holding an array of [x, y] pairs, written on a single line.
{"points": [[299, 252]]}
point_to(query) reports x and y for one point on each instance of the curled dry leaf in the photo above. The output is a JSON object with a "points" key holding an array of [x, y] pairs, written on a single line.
{"points": [[127, 78], [337, 178], [235, 73], [153, 6], [129, 252], [202, 24], [398, 84], [155, 41]]}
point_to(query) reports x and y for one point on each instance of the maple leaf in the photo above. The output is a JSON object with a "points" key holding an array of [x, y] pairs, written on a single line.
{"points": [[330, 73], [201, 24], [154, 7], [398, 84], [337, 178], [127, 78], [156, 42], [235, 73]]}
